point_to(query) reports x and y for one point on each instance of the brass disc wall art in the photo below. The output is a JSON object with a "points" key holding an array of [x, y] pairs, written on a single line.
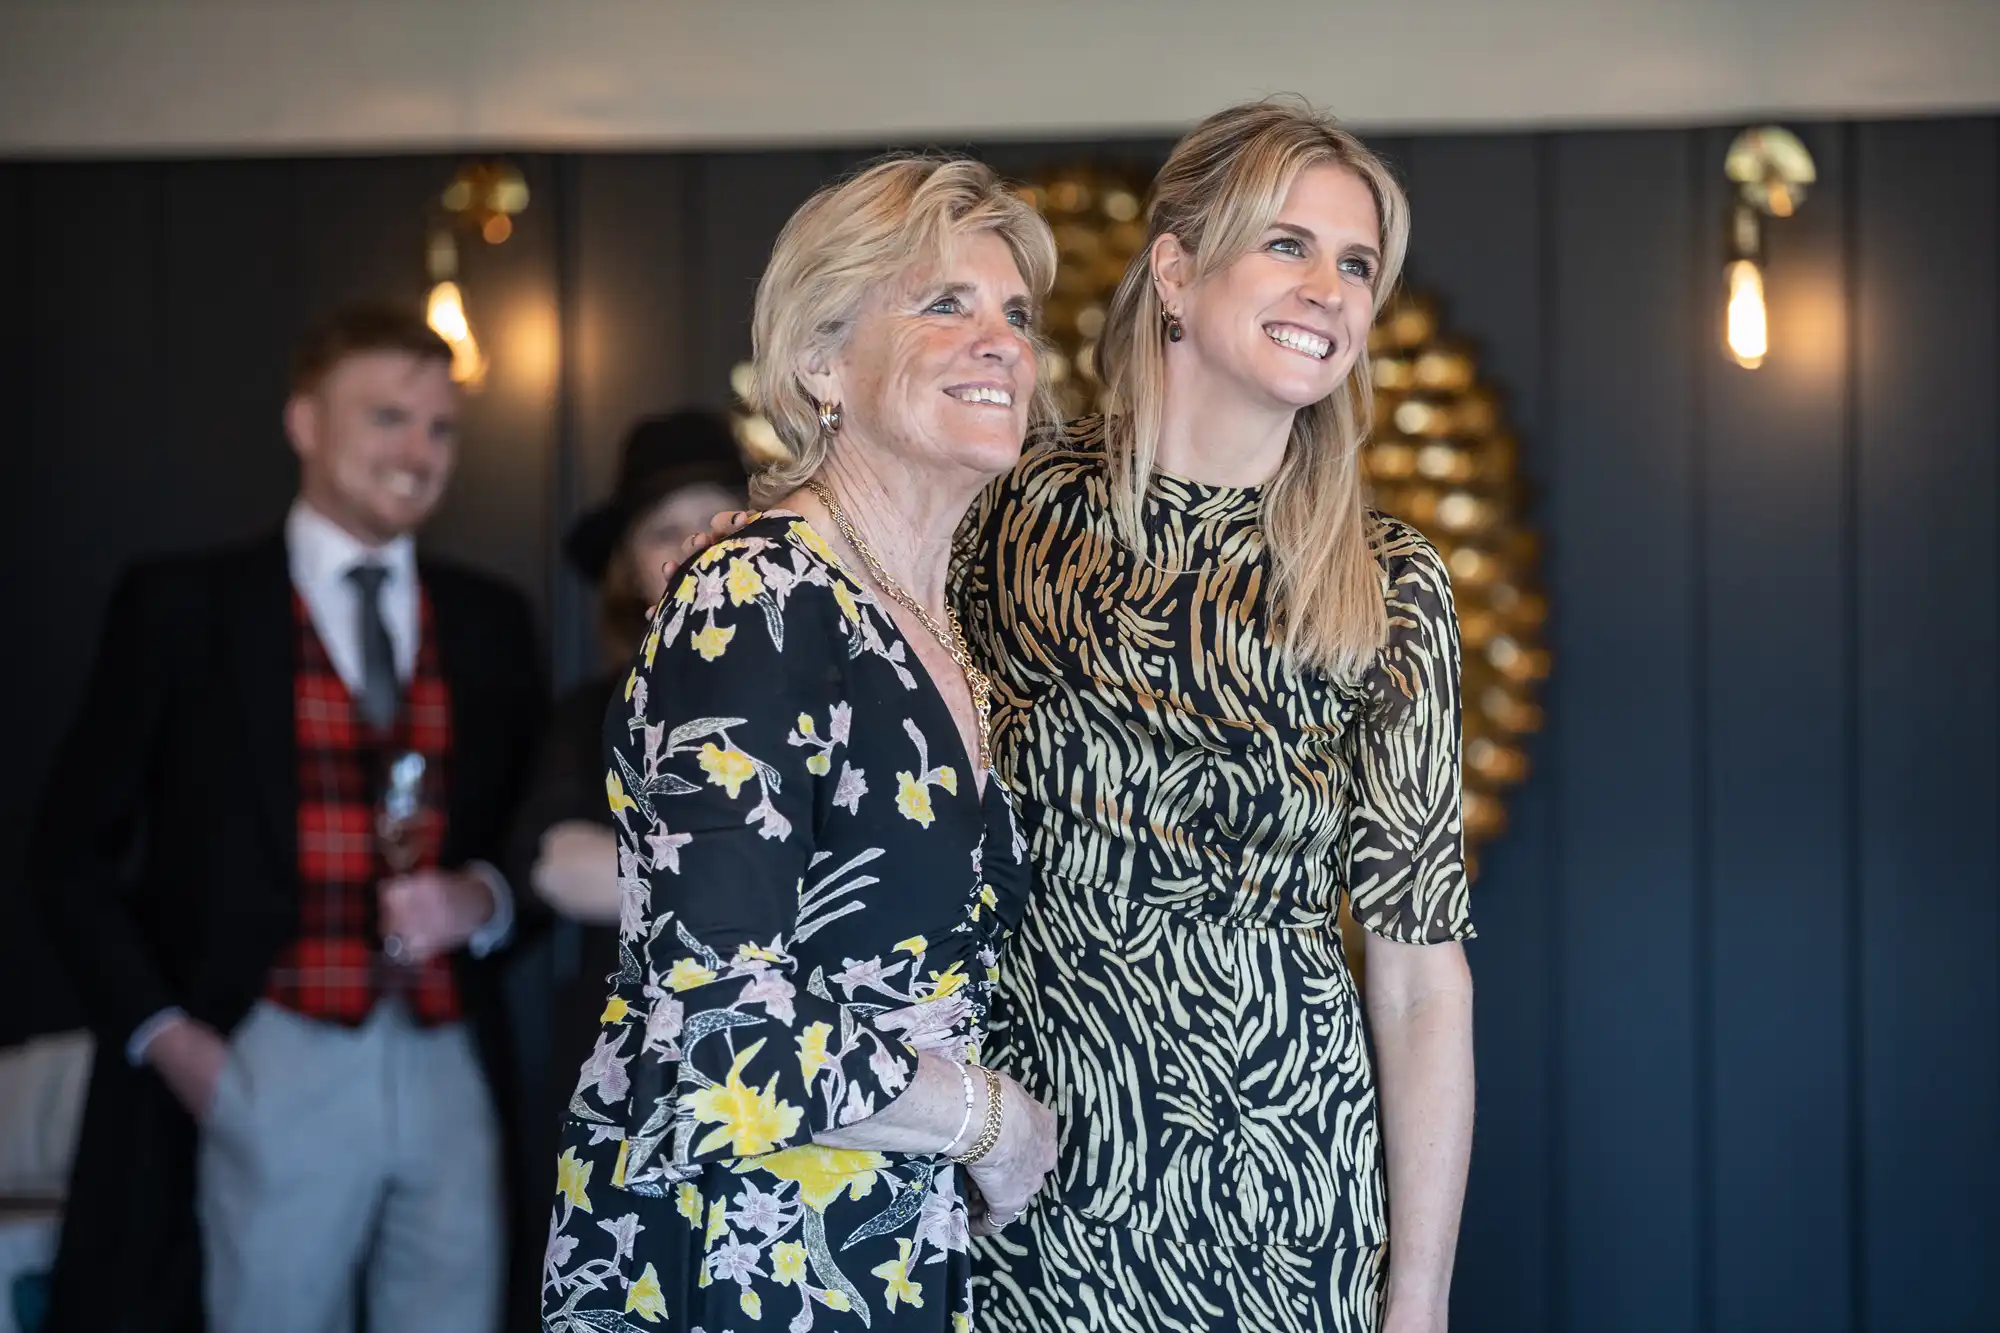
{"points": [[1440, 458]]}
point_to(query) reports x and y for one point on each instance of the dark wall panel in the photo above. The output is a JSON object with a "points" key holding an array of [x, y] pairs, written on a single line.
{"points": [[1775, 495], [225, 271], [33, 994], [95, 469], [1626, 739], [745, 199], [497, 514], [629, 302], [1929, 763], [1477, 246]]}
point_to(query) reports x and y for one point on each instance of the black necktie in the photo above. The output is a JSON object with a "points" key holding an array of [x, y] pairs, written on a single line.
{"points": [[381, 695]]}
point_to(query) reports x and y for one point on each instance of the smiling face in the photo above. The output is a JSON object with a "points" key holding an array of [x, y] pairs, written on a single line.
{"points": [[939, 370], [1283, 324], [376, 440]]}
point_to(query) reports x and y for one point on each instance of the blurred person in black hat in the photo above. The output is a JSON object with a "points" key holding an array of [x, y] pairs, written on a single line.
{"points": [[676, 473]]}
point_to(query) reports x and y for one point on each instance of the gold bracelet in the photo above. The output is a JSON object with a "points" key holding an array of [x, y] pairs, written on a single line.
{"points": [[989, 1132]]}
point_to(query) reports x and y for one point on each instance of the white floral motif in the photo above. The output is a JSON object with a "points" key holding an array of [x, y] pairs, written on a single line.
{"points": [[851, 789]]}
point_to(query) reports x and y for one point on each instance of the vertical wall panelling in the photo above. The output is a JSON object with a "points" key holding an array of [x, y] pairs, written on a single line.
{"points": [[632, 309], [1929, 420], [33, 994], [1476, 245], [228, 288], [1623, 520], [745, 199], [497, 514], [95, 470], [1775, 498]]}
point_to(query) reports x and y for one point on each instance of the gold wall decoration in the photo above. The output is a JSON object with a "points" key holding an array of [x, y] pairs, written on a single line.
{"points": [[1441, 458]]}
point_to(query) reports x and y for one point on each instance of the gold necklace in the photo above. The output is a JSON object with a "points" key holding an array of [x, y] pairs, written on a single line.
{"points": [[953, 639]]}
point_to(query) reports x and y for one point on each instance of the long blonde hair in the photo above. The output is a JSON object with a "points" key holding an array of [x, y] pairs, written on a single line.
{"points": [[852, 239], [1221, 188]]}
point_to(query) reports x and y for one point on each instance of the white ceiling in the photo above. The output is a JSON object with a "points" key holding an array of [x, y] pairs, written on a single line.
{"points": [[187, 76]]}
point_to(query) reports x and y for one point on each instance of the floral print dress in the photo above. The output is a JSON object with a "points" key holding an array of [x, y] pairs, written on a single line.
{"points": [[815, 889]]}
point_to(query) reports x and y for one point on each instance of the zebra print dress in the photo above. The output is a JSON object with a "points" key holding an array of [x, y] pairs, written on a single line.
{"points": [[1195, 810]]}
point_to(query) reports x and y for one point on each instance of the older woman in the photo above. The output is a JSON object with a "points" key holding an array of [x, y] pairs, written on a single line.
{"points": [[818, 869]]}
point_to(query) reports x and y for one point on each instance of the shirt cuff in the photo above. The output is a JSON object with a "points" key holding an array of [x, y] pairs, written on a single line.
{"points": [[142, 1036], [501, 924]]}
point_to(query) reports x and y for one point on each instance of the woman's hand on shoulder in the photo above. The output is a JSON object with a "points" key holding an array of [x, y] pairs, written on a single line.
{"points": [[725, 524], [1008, 1177]]}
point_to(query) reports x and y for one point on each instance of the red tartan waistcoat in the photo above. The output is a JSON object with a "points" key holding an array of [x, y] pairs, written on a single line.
{"points": [[335, 969]]}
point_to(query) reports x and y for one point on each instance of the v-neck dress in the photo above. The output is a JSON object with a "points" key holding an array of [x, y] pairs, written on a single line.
{"points": [[815, 890]]}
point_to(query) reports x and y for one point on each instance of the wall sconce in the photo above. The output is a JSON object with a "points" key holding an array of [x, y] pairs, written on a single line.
{"points": [[480, 201], [1771, 170]]}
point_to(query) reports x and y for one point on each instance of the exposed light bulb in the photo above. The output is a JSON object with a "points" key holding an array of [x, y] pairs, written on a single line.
{"points": [[1748, 336], [445, 313]]}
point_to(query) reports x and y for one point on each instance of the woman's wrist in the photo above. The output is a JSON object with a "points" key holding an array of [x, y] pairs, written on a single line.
{"points": [[992, 1121], [971, 1095]]}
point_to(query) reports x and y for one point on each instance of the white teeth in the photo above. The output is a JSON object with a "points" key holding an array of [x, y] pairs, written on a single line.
{"points": [[1299, 340], [982, 394], [404, 485]]}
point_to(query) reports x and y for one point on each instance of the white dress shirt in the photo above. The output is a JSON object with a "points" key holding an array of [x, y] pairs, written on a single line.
{"points": [[320, 554]]}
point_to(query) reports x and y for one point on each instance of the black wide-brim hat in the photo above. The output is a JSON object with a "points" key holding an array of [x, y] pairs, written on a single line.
{"points": [[660, 455]]}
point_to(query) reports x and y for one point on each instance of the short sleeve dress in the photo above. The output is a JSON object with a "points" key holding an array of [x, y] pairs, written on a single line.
{"points": [[814, 891], [1196, 809]]}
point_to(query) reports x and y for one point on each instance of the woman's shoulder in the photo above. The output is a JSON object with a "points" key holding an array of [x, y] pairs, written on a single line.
{"points": [[1403, 551], [1061, 461], [1064, 448], [1417, 584], [775, 569]]}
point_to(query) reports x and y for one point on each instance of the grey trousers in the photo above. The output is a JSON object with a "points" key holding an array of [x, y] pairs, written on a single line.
{"points": [[350, 1166]]}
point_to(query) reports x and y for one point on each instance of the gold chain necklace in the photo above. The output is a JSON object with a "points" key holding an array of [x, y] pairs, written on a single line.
{"points": [[952, 639]]}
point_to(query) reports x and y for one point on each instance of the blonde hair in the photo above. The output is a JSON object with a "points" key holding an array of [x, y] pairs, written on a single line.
{"points": [[856, 237], [1221, 188]]}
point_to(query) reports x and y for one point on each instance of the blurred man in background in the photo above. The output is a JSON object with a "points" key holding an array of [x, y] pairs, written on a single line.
{"points": [[262, 856]]}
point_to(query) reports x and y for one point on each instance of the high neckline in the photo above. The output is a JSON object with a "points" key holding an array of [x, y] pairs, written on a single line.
{"points": [[1199, 523]]}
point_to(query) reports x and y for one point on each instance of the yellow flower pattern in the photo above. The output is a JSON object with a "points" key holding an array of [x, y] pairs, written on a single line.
{"points": [[744, 583], [812, 1050], [645, 1299], [713, 642], [727, 769], [822, 1173], [573, 1178], [848, 606], [686, 974], [913, 799], [751, 1120], [798, 929], [788, 1262], [895, 1275]]}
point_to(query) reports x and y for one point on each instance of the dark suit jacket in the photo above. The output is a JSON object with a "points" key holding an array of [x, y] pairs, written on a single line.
{"points": [[165, 862]]}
